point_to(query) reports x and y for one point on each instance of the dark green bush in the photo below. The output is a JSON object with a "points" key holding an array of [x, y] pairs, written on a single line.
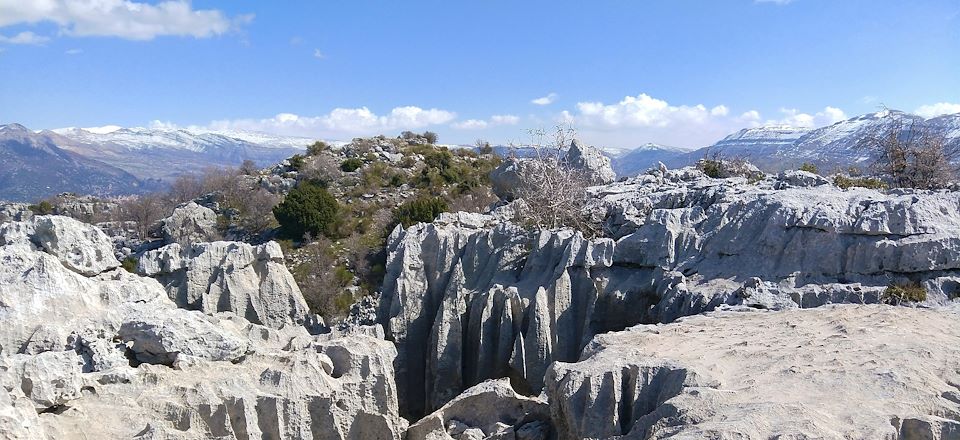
{"points": [[712, 168], [42, 208], [309, 209], [130, 264], [422, 209], [904, 292], [297, 162], [351, 164], [809, 167], [317, 148], [845, 182]]}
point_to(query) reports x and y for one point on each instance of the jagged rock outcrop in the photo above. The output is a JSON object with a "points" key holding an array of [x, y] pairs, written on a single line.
{"points": [[491, 409], [250, 281], [109, 355], [469, 298], [591, 162], [190, 223], [844, 371], [82, 248]]}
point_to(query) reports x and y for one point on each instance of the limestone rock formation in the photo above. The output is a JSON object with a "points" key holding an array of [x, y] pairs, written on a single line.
{"points": [[493, 408], [250, 281], [190, 223], [86, 354], [591, 162], [82, 248], [467, 301], [844, 371]]}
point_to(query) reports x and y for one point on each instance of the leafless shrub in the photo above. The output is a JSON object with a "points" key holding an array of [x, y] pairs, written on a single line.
{"points": [[321, 168], [911, 155], [555, 194], [256, 210], [144, 210], [185, 188]]}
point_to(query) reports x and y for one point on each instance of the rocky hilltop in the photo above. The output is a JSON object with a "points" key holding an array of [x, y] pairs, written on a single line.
{"points": [[781, 307]]}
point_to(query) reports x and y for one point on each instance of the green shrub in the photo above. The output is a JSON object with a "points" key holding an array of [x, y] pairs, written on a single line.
{"points": [[809, 167], [307, 209], [317, 148], [297, 162], [351, 164], [42, 208], [904, 292], [712, 168], [422, 209], [845, 182], [130, 264]]}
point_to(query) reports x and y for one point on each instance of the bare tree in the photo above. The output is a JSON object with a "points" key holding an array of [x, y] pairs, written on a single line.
{"points": [[144, 210], [910, 154], [554, 194]]}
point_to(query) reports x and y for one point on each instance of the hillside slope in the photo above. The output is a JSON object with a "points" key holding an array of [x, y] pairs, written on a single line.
{"points": [[34, 166]]}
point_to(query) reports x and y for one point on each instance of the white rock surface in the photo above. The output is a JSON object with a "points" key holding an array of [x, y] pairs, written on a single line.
{"points": [[222, 276], [190, 223], [83, 248], [492, 407], [844, 371], [69, 343]]}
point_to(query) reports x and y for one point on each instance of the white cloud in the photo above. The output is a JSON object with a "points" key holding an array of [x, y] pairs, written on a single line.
{"points": [[635, 120], [794, 118], [26, 37], [121, 18], [504, 119], [470, 124], [940, 108], [341, 122], [545, 100], [479, 124], [318, 54], [74, 51]]}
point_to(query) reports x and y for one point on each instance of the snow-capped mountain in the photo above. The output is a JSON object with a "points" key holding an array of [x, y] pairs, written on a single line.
{"points": [[637, 160], [34, 167], [832, 147], [163, 153]]}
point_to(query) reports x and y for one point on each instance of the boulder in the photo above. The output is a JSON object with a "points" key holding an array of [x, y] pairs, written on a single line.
{"points": [[250, 281], [161, 338], [190, 223], [82, 248], [591, 162], [493, 408]]}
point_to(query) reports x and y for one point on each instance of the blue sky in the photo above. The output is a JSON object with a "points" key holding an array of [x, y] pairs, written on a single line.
{"points": [[680, 72]]}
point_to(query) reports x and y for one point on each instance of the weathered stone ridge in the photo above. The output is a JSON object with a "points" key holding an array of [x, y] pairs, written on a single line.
{"points": [[473, 297], [250, 281], [89, 350]]}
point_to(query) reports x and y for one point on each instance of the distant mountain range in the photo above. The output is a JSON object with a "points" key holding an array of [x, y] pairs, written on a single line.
{"points": [[163, 154], [34, 166], [115, 160], [778, 148]]}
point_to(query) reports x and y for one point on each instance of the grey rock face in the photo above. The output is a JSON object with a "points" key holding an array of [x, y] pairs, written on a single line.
{"points": [[68, 342], [591, 162], [762, 374], [190, 223], [250, 281], [467, 301]]}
